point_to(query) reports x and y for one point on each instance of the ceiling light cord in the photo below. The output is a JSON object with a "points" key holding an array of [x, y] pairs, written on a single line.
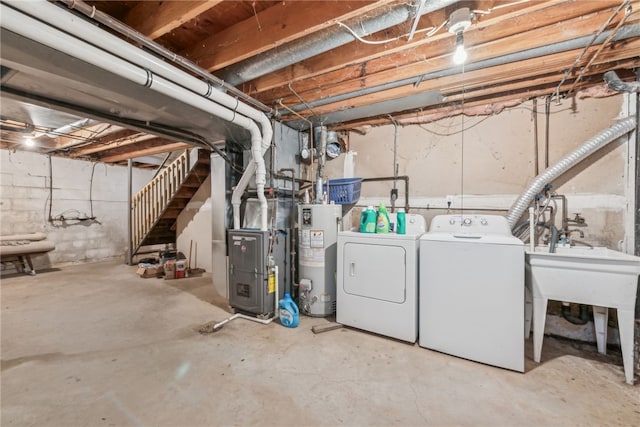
{"points": [[462, 144]]}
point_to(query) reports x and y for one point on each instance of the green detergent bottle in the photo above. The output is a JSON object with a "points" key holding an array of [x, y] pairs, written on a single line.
{"points": [[401, 222], [382, 221], [368, 220]]}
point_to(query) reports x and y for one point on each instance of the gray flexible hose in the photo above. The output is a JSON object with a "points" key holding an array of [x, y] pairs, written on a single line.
{"points": [[585, 150]]}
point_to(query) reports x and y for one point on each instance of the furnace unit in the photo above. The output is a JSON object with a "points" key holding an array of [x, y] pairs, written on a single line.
{"points": [[253, 256]]}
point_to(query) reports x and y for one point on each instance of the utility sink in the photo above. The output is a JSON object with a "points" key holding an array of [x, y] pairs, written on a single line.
{"points": [[596, 276]]}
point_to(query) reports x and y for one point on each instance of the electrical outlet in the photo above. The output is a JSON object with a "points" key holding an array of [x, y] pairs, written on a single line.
{"points": [[449, 199]]}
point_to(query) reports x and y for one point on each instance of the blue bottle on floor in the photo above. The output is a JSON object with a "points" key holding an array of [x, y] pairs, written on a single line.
{"points": [[289, 314]]}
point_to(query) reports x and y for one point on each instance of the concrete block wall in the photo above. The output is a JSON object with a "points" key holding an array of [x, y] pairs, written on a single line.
{"points": [[24, 205]]}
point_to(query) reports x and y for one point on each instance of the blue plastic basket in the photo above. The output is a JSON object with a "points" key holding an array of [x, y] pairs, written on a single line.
{"points": [[344, 191]]}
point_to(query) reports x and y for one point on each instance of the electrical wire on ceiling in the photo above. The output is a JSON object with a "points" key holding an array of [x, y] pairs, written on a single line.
{"points": [[584, 69], [499, 6], [144, 126], [302, 101], [456, 132], [462, 143], [431, 31], [567, 73]]}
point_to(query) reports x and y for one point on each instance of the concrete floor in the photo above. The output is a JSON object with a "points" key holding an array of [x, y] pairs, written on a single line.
{"points": [[95, 345]]}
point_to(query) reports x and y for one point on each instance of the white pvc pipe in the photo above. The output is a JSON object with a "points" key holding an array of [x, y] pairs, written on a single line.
{"points": [[276, 312], [70, 23], [532, 229]]}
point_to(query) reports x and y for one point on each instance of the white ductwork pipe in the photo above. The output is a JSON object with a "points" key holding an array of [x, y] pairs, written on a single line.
{"points": [[585, 150], [153, 68]]}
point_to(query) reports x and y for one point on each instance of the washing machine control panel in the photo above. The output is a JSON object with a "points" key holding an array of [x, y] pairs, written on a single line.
{"points": [[485, 224]]}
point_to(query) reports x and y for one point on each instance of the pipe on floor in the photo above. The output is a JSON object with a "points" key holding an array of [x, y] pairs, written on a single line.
{"points": [[276, 314]]}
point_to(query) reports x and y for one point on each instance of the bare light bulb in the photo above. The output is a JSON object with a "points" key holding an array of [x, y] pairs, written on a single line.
{"points": [[29, 142], [460, 54]]}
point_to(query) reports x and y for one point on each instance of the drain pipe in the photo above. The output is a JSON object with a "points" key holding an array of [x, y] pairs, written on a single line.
{"points": [[615, 83], [234, 111], [585, 150], [153, 46], [276, 313]]}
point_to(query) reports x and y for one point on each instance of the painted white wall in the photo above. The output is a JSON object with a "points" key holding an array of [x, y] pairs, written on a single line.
{"points": [[492, 161], [24, 205], [194, 228]]}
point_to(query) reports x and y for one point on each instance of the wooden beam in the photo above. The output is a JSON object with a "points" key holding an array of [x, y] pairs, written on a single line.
{"points": [[156, 18], [145, 152], [279, 24], [490, 28], [104, 145], [441, 61], [356, 52], [522, 89], [529, 74], [73, 138]]}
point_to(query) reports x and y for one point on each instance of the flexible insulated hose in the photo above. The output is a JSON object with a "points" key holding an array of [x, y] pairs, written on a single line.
{"points": [[585, 150]]}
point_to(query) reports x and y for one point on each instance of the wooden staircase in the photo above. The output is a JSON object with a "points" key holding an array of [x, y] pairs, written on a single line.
{"points": [[156, 207]]}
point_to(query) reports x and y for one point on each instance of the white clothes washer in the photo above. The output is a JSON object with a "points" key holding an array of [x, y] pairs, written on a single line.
{"points": [[472, 290], [377, 281]]}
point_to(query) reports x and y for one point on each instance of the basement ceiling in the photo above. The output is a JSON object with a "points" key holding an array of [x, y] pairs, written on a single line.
{"points": [[346, 64]]}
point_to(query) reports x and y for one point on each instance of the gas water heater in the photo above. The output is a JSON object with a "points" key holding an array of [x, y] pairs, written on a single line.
{"points": [[317, 251]]}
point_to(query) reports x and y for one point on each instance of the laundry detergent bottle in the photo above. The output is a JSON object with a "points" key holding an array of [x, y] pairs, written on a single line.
{"points": [[289, 314], [382, 220], [401, 219], [368, 220]]}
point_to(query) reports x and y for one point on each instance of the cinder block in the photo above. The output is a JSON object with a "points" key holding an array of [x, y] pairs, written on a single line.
{"points": [[6, 179]]}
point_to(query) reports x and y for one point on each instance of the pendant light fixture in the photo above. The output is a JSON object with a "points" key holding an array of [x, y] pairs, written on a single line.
{"points": [[459, 21]]}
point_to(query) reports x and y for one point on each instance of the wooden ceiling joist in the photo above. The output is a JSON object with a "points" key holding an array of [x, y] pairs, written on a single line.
{"points": [[164, 148], [270, 28], [156, 18]]}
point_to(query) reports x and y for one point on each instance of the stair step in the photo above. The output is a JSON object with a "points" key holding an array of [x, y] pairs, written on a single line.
{"points": [[164, 229]]}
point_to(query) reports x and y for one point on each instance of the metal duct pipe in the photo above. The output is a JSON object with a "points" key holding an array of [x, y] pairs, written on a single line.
{"points": [[623, 33], [585, 150], [315, 44], [230, 108], [615, 83], [63, 130]]}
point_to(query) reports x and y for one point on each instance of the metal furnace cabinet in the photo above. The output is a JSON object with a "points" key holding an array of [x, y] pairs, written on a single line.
{"points": [[252, 256]]}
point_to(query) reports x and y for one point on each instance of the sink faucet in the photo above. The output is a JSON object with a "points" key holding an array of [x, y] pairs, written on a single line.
{"points": [[576, 230]]}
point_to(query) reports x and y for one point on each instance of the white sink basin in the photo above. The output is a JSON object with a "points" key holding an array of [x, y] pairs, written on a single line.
{"points": [[598, 276]]}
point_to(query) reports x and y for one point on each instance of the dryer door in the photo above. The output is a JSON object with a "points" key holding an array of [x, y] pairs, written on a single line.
{"points": [[363, 276]]}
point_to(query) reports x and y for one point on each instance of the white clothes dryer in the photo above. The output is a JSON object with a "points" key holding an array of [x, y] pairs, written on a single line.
{"points": [[377, 281]]}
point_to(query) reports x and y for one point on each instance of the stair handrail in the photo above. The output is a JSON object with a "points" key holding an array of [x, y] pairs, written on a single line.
{"points": [[148, 204]]}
